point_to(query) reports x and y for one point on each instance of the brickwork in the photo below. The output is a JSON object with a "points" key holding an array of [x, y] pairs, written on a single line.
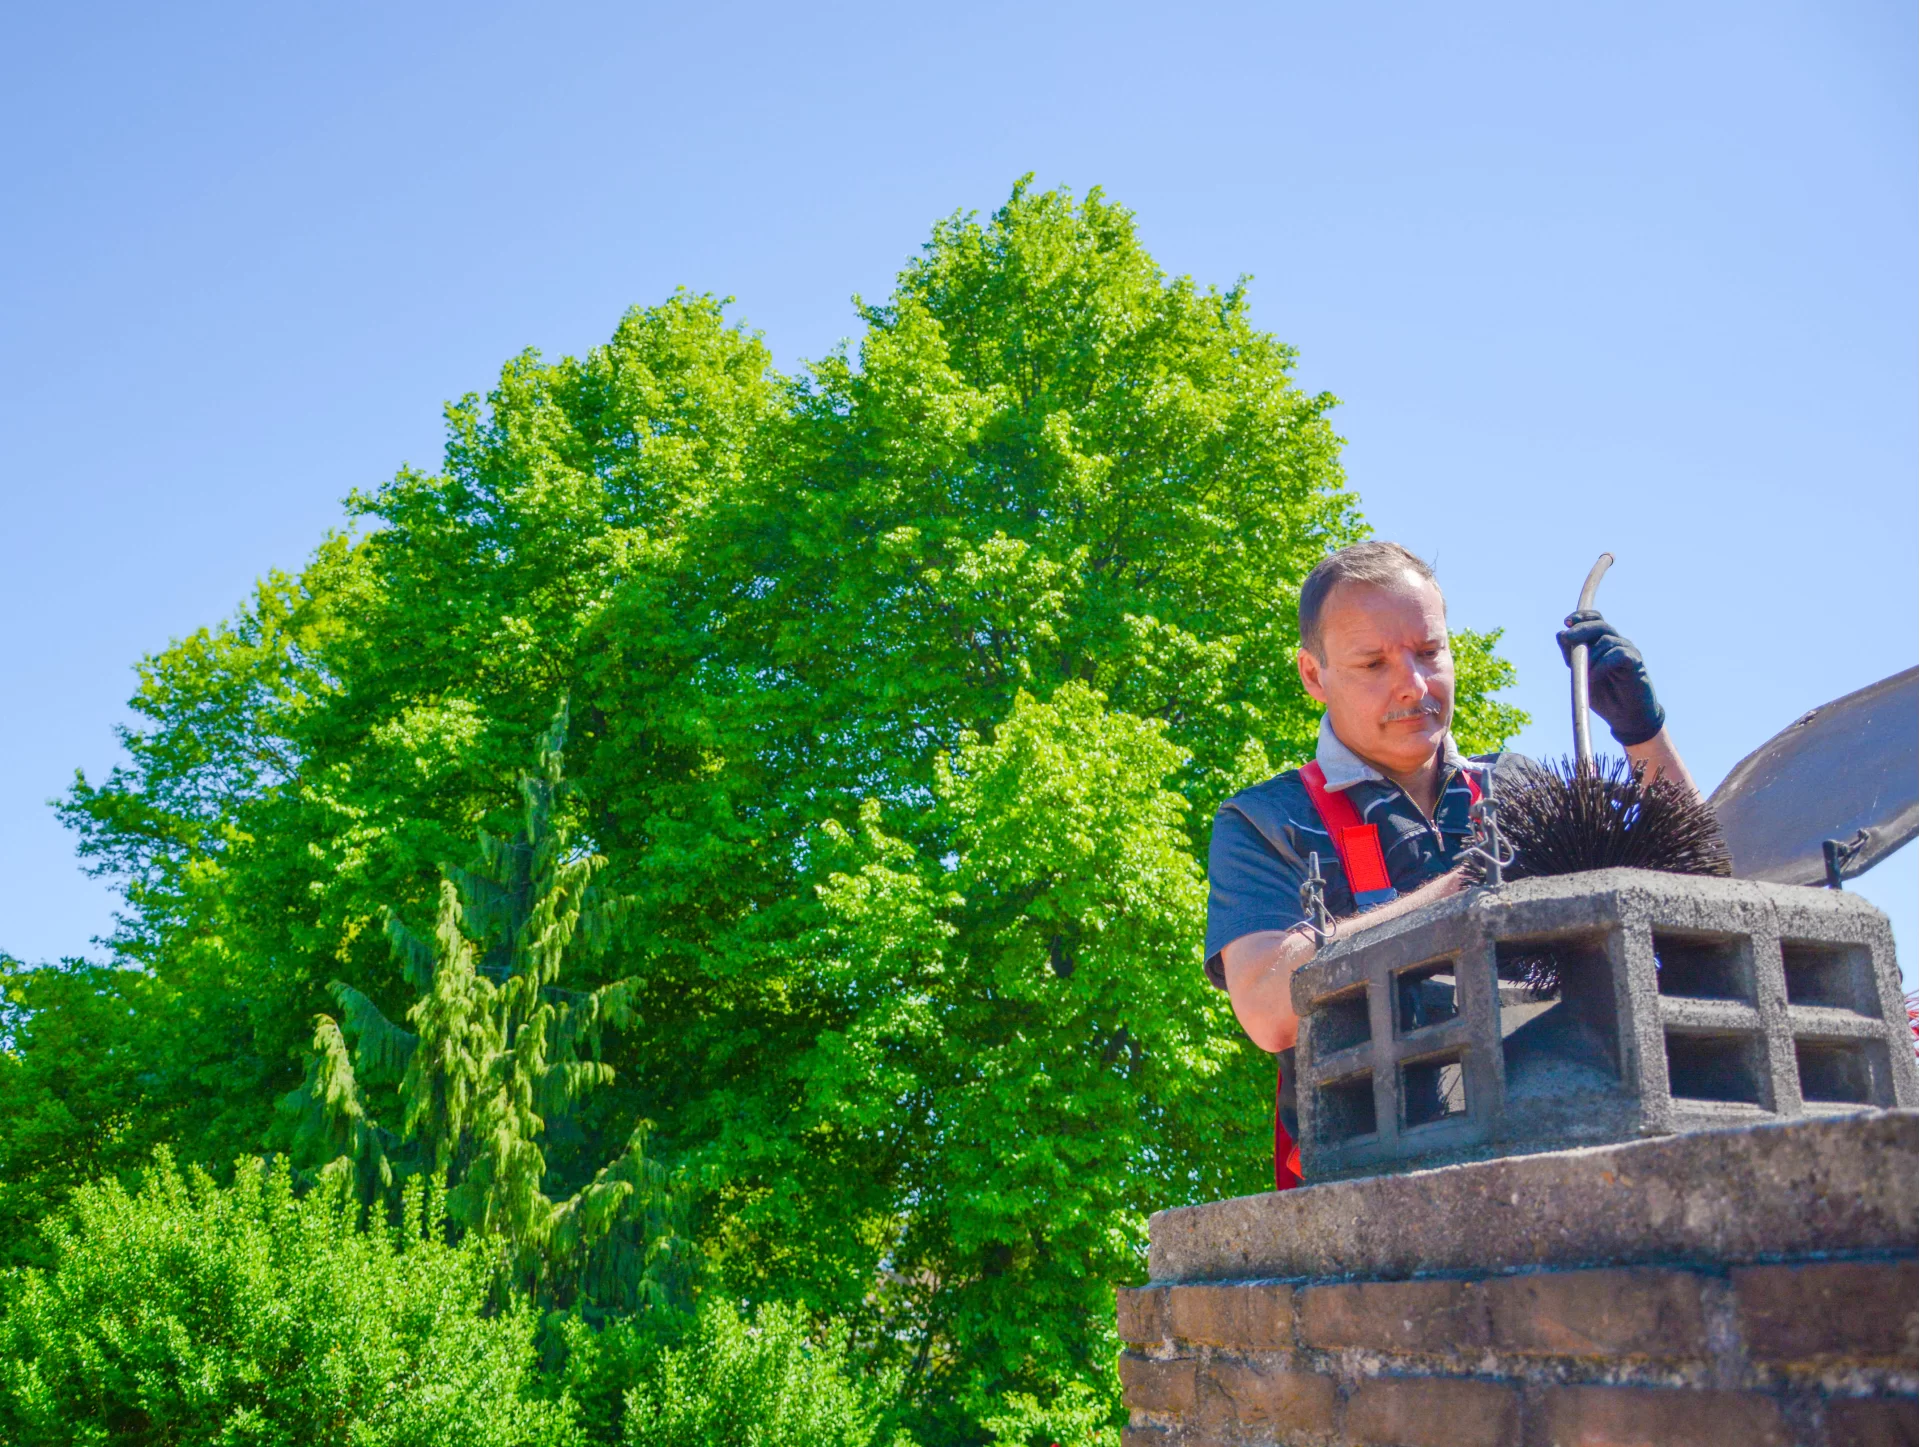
{"points": [[1801, 1354]]}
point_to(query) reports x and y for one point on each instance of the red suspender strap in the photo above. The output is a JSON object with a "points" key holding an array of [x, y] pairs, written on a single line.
{"points": [[1357, 844], [1286, 1154], [1358, 847]]}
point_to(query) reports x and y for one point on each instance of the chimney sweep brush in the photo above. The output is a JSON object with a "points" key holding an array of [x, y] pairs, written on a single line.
{"points": [[1576, 814]]}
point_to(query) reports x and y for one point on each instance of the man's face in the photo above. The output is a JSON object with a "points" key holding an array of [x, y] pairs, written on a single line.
{"points": [[1388, 677]]}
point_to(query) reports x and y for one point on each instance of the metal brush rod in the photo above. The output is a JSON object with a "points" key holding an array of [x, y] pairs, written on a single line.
{"points": [[1582, 729]]}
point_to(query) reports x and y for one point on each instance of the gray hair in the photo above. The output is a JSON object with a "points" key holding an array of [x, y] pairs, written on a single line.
{"points": [[1381, 564]]}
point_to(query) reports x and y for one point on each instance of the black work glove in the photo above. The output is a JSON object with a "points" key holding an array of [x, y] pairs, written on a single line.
{"points": [[1617, 682]]}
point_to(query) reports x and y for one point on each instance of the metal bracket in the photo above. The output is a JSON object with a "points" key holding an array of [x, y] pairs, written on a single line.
{"points": [[1840, 853]]}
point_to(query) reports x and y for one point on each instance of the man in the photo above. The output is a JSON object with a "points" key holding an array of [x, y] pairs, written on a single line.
{"points": [[1374, 651]]}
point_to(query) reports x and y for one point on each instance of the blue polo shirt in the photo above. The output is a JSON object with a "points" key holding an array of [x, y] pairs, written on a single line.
{"points": [[1262, 836]]}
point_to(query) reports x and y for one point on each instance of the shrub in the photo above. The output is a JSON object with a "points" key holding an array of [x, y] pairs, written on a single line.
{"points": [[774, 1383], [595, 1363], [188, 1313], [1079, 1415]]}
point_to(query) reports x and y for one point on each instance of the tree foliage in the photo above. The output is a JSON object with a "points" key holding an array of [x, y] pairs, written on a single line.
{"points": [[904, 689], [73, 1038]]}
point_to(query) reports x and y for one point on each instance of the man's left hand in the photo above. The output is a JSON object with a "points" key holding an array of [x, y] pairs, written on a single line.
{"points": [[1618, 686]]}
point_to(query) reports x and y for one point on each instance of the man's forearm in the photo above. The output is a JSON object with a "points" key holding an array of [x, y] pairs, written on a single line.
{"points": [[1260, 967], [1260, 984], [1662, 760]]}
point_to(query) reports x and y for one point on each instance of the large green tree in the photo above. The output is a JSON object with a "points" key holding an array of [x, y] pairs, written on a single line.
{"points": [[904, 689]]}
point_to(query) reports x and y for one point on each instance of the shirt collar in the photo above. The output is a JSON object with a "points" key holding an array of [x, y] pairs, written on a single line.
{"points": [[1344, 768]]}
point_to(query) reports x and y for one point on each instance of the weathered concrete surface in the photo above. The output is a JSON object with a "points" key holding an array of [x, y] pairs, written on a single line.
{"points": [[1810, 1187]]}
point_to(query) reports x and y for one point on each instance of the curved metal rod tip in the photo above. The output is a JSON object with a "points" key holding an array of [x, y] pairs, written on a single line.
{"points": [[1592, 585]]}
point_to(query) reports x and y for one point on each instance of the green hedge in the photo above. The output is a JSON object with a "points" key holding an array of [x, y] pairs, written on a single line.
{"points": [[188, 1313]]}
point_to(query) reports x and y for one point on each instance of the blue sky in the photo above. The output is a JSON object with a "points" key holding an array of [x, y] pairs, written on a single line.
{"points": [[1637, 277]]}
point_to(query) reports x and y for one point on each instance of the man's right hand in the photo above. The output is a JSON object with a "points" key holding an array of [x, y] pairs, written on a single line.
{"points": [[1617, 683]]}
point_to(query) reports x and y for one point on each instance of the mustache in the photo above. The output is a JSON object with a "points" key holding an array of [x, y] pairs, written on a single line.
{"points": [[1429, 707]]}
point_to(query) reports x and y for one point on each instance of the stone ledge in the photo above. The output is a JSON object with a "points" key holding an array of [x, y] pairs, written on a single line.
{"points": [[1813, 1187]]}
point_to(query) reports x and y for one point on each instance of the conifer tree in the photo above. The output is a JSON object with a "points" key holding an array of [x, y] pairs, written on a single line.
{"points": [[498, 1054]]}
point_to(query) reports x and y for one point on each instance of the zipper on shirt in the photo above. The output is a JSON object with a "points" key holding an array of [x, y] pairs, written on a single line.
{"points": [[1432, 820]]}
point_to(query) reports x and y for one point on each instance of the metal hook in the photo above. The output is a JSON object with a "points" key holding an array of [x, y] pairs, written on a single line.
{"points": [[1489, 846], [1313, 902]]}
